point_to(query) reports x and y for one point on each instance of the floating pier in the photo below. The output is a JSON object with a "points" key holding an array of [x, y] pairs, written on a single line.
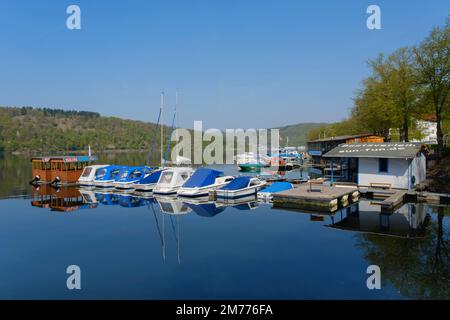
{"points": [[316, 197]]}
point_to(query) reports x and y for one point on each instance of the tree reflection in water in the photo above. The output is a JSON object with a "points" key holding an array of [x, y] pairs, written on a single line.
{"points": [[418, 267]]}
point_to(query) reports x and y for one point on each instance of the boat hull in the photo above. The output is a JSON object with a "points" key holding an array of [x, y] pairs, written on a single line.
{"points": [[235, 194]]}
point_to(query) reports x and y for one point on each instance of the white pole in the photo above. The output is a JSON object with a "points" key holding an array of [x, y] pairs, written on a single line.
{"points": [[176, 111], [162, 128]]}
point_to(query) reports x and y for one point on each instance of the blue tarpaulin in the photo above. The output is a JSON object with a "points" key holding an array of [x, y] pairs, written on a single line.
{"points": [[277, 187], [152, 178], [202, 177], [237, 183]]}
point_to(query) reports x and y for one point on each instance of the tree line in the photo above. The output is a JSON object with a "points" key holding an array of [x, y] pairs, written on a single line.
{"points": [[404, 86], [43, 130]]}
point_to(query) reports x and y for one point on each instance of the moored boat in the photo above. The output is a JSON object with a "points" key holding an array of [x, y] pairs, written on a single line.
{"points": [[202, 181], [148, 183], [250, 162], [240, 187], [89, 173], [266, 194], [59, 170], [128, 176], [106, 176], [171, 180]]}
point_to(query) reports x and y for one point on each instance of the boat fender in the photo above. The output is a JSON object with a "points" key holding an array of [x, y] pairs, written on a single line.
{"points": [[35, 180], [56, 181]]}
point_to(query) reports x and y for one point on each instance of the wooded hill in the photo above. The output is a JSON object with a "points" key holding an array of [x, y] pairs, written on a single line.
{"points": [[45, 130]]}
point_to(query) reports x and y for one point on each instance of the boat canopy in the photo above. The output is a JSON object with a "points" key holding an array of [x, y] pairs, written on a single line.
{"points": [[277, 187], [174, 176], [109, 172], [151, 178], [237, 183], [202, 177]]}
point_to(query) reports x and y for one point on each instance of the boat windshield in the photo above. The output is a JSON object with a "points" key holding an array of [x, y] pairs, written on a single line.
{"points": [[86, 172], [123, 174], [136, 174], [100, 173], [166, 177], [114, 173]]}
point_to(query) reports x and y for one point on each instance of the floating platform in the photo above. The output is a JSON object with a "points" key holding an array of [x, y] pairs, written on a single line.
{"points": [[316, 197]]}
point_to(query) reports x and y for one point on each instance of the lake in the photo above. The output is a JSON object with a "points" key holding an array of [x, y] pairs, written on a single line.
{"points": [[143, 247]]}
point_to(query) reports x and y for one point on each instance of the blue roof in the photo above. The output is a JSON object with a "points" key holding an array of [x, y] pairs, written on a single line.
{"points": [[237, 183], [202, 177], [277, 187]]}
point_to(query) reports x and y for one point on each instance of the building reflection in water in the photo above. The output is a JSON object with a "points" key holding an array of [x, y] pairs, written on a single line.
{"points": [[61, 199], [409, 221]]}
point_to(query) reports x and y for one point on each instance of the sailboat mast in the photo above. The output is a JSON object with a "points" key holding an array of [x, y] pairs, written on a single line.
{"points": [[176, 113], [162, 127]]}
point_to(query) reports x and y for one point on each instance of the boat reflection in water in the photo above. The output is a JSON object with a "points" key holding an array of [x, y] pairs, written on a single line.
{"points": [[409, 221], [62, 199]]}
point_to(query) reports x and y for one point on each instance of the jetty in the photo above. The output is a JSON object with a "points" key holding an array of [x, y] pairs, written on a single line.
{"points": [[316, 197]]}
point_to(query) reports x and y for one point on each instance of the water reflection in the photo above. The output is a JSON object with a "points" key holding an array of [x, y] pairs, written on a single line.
{"points": [[410, 245], [409, 221], [61, 199]]}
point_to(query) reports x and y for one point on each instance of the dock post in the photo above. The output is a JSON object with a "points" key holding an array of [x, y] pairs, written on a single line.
{"points": [[332, 170]]}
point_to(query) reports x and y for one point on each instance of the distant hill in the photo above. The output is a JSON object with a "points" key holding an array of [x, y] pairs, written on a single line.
{"points": [[297, 133], [42, 130]]}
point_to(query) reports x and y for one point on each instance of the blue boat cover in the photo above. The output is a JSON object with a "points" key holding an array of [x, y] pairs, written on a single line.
{"points": [[277, 187], [206, 209], [130, 202], [202, 177], [151, 178], [237, 183]]}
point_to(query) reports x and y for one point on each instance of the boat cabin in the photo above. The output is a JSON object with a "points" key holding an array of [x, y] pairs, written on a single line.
{"points": [[66, 169]]}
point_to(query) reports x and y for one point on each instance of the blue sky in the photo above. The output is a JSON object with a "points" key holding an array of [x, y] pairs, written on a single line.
{"points": [[236, 63]]}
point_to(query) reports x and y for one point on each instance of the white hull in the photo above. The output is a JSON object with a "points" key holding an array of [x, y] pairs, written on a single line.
{"points": [[124, 185], [166, 191], [199, 192], [144, 187], [104, 184], [225, 194]]}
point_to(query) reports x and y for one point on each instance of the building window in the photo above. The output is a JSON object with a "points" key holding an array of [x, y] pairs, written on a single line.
{"points": [[383, 165]]}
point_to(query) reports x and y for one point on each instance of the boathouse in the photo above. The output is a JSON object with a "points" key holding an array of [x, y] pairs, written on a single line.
{"points": [[66, 169], [317, 148], [390, 165]]}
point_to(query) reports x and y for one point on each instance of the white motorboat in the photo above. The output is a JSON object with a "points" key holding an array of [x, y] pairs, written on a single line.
{"points": [[202, 181], [148, 183], [88, 175], [240, 187], [172, 179]]}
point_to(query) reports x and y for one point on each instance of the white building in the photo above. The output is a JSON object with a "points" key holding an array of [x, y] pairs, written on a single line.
{"points": [[395, 165], [428, 130]]}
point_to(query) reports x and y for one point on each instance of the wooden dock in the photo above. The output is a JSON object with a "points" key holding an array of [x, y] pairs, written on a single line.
{"points": [[315, 198]]}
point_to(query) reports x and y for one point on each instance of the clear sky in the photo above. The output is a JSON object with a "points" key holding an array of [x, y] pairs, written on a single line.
{"points": [[236, 63]]}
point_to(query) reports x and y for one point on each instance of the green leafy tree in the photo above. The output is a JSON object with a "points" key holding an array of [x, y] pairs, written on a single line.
{"points": [[433, 67]]}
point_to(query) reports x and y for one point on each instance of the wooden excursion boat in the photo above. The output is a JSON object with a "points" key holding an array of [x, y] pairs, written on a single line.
{"points": [[61, 170]]}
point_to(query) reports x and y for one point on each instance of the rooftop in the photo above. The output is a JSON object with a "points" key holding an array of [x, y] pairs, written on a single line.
{"points": [[343, 137], [399, 150]]}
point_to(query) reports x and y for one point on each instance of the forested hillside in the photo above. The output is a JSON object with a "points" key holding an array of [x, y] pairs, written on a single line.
{"points": [[52, 130]]}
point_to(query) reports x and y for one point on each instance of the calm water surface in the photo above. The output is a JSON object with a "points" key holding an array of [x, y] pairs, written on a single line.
{"points": [[132, 247]]}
